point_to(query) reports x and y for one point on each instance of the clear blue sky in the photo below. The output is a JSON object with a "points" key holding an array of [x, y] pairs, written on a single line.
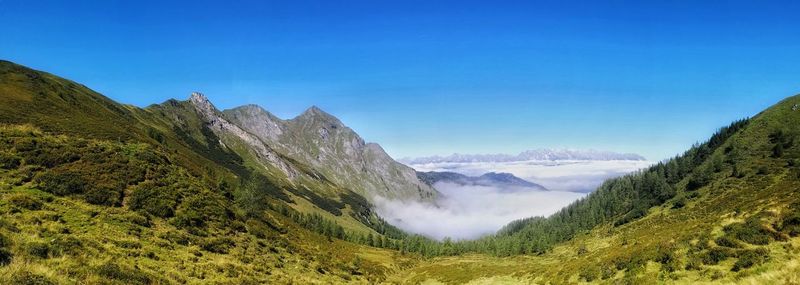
{"points": [[436, 77]]}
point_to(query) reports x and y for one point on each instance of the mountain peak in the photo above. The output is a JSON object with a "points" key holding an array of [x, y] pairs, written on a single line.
{"points": [[315, 113]]}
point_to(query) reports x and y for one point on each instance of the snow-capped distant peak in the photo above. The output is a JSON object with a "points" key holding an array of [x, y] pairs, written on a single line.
{"points": [[539, 154]]}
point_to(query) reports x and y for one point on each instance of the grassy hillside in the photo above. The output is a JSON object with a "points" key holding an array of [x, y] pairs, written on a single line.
{"points": [[97, 192], [734, 218], [100, 211]]}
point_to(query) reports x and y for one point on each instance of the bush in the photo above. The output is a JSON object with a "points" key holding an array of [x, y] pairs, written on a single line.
{"points": [[197, 210], [790, 224], [749, 258], [679, 203], [5, 257], [698, 180], [101, 195], [727, 242], [37, 249], [716, 255], [152, 199], [589, 273], [751, 231], [219, 245], [61, 182], [9, 161]]}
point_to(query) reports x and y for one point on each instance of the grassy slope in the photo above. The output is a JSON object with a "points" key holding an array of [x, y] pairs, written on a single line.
{"points": [[768, 187], [62, 106], [65, 239], [61, 238]]}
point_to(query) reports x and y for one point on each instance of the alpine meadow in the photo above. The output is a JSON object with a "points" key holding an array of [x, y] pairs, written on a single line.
{"points": [[541, 143]]}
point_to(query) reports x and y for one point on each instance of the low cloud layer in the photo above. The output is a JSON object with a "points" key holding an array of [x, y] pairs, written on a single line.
{"points": [[575, 176], [468, 212]]}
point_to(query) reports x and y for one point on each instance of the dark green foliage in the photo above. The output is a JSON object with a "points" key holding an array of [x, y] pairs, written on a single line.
{"points": [[61, 182], [781, 140], [698, 179], [679, 203], [727, 242], [37, 249], [217, 245], [5, 254], [198, 210], [9, 161], [749, 258], [101, 195], [790, 222], [157, 199], [716, 255], [5, 257], [752, 231], [126, 275]]}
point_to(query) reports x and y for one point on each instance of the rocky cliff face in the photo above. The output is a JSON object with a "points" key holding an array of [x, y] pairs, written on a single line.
{"points": [[320, 141], [222, 127]]}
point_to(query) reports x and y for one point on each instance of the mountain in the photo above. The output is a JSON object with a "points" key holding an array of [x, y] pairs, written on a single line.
{"points": [[97, 192], [321, 141], [491, 179], [539, 154]]}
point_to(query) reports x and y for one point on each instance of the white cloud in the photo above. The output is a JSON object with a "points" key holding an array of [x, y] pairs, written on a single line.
{"points": [[468, 212]]}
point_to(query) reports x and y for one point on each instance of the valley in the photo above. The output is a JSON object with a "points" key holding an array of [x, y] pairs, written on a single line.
{"points": [[93, 191]]}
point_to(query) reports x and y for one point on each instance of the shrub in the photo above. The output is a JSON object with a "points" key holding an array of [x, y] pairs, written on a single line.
{"points": [[749, 258], [716, 255], [61, 182], [790, 224], [751, 231], [5, 257], [198, 209], [679, 203], [154, 200], [727, 242], [9, 161], [37, 249], [217, 245], [589, 273], [66, 245], [698, 180], [102, 195]]}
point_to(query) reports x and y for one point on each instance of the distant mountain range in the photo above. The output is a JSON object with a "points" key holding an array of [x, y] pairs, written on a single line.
{"points": [[491, 179], [538, 154]]}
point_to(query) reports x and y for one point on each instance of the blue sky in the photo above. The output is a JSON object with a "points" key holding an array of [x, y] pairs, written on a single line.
{"points": [[436, 77]]}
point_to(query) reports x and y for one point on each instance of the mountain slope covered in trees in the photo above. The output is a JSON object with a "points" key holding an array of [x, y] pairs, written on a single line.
{"points": [[724, 211]]}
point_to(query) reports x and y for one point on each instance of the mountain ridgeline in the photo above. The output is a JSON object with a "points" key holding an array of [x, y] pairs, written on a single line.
{"points": [[93, 191], [492, 179]]}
